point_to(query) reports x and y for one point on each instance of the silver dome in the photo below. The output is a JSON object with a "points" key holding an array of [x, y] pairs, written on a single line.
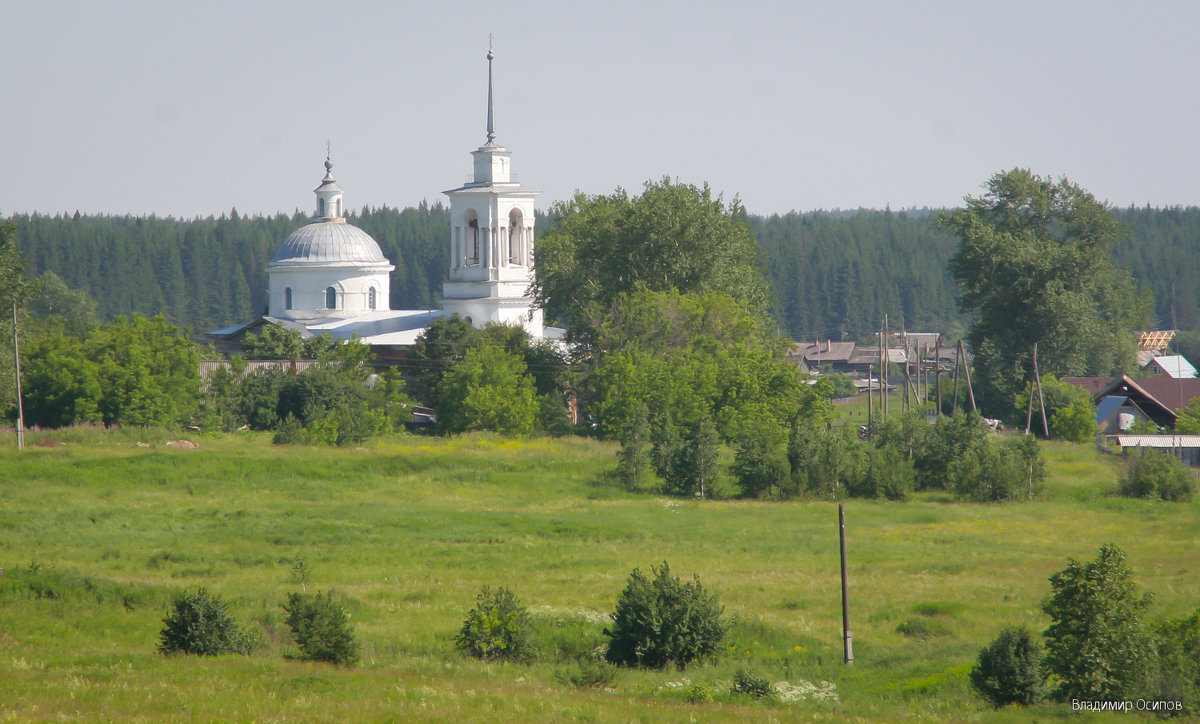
{"points": [[328, 242]]}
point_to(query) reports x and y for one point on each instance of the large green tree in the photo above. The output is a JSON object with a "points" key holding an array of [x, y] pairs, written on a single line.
{"points": [[674, 236], [1033, 266], [131, 371], [1097, 646], [687, 357]]}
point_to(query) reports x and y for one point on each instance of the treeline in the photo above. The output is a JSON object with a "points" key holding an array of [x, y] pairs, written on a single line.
{"points": [[212, 272], [834, 275]]}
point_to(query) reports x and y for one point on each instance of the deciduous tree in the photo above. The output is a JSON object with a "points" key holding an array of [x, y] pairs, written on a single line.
{"points": [[1097, 645], [674, 236], [1033, 266]]}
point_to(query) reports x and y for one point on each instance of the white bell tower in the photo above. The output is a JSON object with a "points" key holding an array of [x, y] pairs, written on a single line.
{"points": [[491, 240]]}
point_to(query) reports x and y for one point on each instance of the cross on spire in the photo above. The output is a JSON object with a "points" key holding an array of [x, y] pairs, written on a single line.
{"points": [[491, 131]]}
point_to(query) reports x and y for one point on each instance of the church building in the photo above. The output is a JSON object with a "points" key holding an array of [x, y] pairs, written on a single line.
{"points": [[331, 277]]}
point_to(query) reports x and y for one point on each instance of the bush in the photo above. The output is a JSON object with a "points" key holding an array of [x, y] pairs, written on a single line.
{"points": [[752, 685], [1178, 674], [997, 469], [663, 622], [1009, 670], [321, 628], [587, 674], [633, 459], [1097, 645], [1155, 474], [496, 629], [199, 625], [289, 431]]}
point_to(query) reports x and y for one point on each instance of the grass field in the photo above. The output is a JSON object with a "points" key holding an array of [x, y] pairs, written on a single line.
{"points": [[98, 531]]}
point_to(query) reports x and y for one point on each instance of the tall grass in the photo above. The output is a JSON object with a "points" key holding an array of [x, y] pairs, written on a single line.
{"points": [[97, 535]]}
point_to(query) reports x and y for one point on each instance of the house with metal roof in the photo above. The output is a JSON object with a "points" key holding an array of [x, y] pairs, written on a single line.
{"points": [[1155, 399], [1172, 365]]}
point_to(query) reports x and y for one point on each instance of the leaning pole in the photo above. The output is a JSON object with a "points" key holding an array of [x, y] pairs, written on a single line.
{"points": [[847, 642]]}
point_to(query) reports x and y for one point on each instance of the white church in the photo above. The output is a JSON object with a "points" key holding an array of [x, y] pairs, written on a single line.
{"points": [[331, 277]]}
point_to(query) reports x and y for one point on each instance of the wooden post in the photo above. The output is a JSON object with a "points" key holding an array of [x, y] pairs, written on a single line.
{"points": [[937, 376], [1037, 379], [870, 395], [954, 401], [882, 374], [847, 639], [967, 372], [1029, 409], [17, 367]]}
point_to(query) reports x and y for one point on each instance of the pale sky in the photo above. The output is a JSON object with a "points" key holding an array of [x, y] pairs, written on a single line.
{"points": [[194, 108]]}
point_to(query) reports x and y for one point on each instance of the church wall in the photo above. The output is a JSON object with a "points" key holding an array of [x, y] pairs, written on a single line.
{"points": [[308, 292]]}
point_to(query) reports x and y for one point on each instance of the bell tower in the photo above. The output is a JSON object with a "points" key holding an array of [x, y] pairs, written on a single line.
{"points": [[491, 239]]}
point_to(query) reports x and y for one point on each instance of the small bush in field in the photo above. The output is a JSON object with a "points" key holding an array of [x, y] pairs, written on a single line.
{"points": [[199, 625], [321, 628], [496, 629], [1009, 670], [753, 685], [588, 673], [663, 622]]}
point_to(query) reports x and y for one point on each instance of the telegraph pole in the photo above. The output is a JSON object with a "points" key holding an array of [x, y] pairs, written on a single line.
{"points": [[17, 368], [847, 640]]}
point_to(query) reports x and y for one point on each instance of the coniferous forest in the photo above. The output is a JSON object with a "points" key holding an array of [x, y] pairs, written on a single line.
{"points": [[834, 274]]}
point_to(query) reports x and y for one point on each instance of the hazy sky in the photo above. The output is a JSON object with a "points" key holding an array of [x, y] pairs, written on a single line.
{"points": [[194, 108]]}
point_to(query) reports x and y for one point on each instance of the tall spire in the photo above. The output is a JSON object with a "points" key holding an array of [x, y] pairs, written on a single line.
{"points": [[491, 131]]}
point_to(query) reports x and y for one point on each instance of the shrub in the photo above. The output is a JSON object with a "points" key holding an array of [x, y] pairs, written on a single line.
{"points": [[1009, 670], [760, 463], [888, 474], [587, 674], [633, 459], [496, 629], [1178, 673], [1155, 474], [922, 629], [321, 628], [1096, 644], [753, 685], [998, 469], [199, 625], [289, 431], [663, 622]]}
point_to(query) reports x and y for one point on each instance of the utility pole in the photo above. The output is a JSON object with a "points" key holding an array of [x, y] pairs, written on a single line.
{"points": [[957, 359], [17, 366], [967, 373], [1037, 379], [870, 396], [937, 376], [847, 640]]}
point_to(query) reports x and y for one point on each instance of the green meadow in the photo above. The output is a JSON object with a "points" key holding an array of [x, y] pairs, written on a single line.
{"points": [[99, 530]]}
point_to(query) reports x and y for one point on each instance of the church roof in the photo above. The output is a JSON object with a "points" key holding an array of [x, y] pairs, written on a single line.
{"points": [[328, 242], [500, 188]]}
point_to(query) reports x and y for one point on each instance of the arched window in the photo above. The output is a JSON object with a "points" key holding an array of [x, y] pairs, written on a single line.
{"points": [[287, 298], [471, 243], [371, 298], [516, 228], [331, 298]]}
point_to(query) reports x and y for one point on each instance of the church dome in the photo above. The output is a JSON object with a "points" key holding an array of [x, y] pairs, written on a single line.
{"points": [[328, 269], [329, 242]]}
